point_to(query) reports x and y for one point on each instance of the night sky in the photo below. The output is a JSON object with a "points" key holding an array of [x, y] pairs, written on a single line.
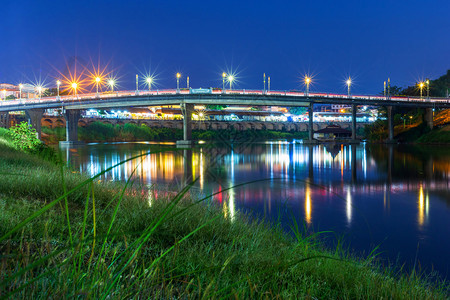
{"points": [[330, 40]]}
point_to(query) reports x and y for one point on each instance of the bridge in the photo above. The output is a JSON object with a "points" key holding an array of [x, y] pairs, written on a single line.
{"points": [[73, 104]]}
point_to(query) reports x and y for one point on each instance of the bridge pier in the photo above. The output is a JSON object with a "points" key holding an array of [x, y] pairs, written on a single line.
{"points": [[310, 139], [34, 117], [428, 117], [354, 109], [390, 118], [72, 116], [4, 119], [186, 110]]}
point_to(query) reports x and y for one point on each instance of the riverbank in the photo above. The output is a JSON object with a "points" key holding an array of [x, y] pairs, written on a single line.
{"points": [[100, 132], [126, 243]]}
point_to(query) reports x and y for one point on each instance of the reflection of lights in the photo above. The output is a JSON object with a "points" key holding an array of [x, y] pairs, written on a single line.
{"points": [[231, 204], [421, 204], [308, 204], [349, 206], [150, 198]]}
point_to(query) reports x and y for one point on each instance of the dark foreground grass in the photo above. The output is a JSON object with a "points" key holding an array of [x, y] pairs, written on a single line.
{"points": [[120, 243]]}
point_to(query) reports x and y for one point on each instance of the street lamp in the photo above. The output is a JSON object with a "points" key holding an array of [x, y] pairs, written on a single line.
{"points": [[149, 82], [224, 75], [349, 83], [58, 83], [111, 83], [428, 88], [74, 86], [20, 91], [230, 79], [178, 82], [97, 82], [4, 94], [307, 82], [39, 88], [421, 84]]}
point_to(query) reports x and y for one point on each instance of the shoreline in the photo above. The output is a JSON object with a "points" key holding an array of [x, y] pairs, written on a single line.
{"points": [[207, 245]]}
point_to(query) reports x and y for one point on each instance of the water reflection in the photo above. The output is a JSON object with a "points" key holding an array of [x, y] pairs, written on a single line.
{"points": [[372, 193]]}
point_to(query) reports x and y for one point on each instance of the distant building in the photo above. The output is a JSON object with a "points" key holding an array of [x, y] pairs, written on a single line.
{"points": [[28, 90]]}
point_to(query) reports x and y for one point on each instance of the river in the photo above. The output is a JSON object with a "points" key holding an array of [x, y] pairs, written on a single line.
{"points": [[394, 197]]}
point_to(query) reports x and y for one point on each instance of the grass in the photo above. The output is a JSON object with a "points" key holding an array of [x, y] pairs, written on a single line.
{"points": [[64, 235]]}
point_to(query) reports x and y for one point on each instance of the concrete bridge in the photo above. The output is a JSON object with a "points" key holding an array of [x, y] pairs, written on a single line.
{"points": [[34, 108]]}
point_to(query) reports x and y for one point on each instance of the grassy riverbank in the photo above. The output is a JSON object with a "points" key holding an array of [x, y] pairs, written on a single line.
{"points": [[106, 240], [100, 132]]}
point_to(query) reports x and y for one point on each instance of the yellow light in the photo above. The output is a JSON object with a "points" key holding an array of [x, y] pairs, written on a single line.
{"points": [[200, 115], [178, 75], [74, 85], [428, 82], [149, 79], [20, 86], [224, 74], [58, 82], [349, 81], [307, 80], [111, 82], [97, 79], [39, 88], [421, 85], [231, 78]]}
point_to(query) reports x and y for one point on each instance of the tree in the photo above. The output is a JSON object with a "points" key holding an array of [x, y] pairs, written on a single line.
{"points": [[24, 137], [215, 107], [10, 97]]}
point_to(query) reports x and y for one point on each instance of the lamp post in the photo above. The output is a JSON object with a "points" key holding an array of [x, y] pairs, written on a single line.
{"points": [[149, 82], [230, 79], [97, 83], [307, 82], [224, 75], [111, 84], [421, 84], [384, 90], [178, 82], [264, 83], [137, 84], [20, 91], [58, 83], [187, 82], [268, 84], [4, 94], [39, 88], [428, 88], [349, 83], [74, 86]]}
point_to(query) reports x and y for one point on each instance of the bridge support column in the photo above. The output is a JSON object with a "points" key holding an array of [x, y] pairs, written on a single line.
{"points": [[354, 109], [72, 116], [4, 119], [390, 118], [34, 117], [310, 139], [186, 110], [428, 117]]}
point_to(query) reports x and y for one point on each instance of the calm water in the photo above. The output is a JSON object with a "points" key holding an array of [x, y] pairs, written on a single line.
{"points": [[396, 197]]}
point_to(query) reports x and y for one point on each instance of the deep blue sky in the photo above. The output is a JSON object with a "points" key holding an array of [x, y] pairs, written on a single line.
{"points": [[368, 40]]}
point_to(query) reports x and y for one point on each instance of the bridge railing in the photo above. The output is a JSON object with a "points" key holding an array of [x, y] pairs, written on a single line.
{"points": [[300, 94]]}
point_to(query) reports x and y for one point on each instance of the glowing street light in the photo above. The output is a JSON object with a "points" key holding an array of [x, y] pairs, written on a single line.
{"points": [[307, 82], [231, 79], [349, 83], [74, 87], [58, 83], [39, 89], [224, 75], [97, 82], [178, 82], [149, 82], [111, 83], [428, 88], [20, 90], [421, 85]]}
